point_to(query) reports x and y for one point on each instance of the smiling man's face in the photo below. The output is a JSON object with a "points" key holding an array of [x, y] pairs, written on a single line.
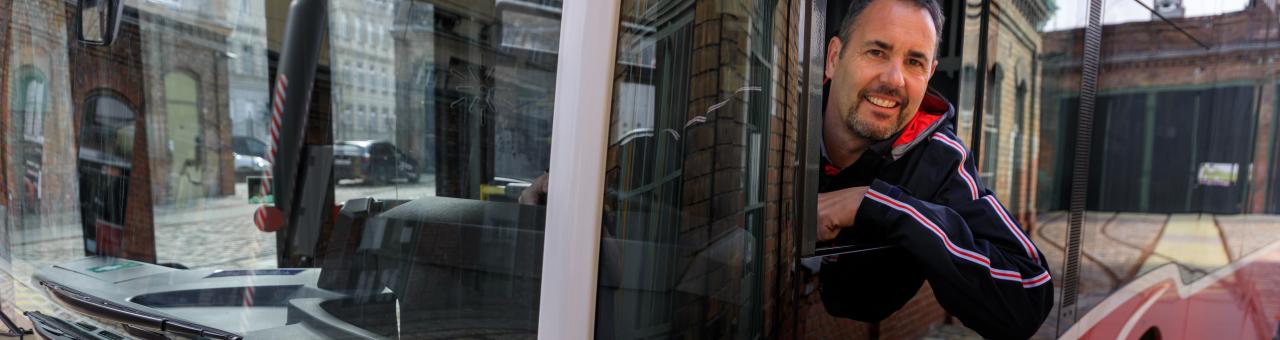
{"points": [[879, 76]]}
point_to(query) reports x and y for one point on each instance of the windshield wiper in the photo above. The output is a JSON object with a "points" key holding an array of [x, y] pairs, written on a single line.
{"points": [[101, 308], [12, 331], [52, 328]]}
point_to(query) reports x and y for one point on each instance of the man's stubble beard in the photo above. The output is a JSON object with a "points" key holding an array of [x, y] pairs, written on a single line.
{"points": [[865, 129]]}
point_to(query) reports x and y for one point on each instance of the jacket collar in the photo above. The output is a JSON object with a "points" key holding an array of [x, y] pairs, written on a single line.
{"points": [[935, 111]]}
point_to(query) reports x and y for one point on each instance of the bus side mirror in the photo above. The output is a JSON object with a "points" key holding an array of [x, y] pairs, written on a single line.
{"points": [[98, 20]]}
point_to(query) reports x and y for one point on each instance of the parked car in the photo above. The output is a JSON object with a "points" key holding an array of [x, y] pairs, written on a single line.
{"points": [[372, 162], [249, 165], [249, 146], [250, 154]]}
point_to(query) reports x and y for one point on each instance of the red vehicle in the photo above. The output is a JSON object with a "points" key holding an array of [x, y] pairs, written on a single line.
{"points": [[1238, 301]]}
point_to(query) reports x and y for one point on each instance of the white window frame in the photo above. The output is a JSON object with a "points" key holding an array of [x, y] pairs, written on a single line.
{"points": [[579, 137]]}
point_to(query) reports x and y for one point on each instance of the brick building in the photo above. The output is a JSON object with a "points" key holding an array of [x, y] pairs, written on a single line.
{"points": [[39, 141], [71, 152], [1173, 104], [4, 102], [186, 69], [4, 142], [1011, 121], [110, 78]]}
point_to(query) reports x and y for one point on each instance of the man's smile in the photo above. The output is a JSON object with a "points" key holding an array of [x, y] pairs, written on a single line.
{"points": [[881, 101]]}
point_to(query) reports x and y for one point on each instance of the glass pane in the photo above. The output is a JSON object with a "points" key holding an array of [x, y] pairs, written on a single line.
{"points": [[442, 110], [131, 173], [1054, 106], [693, 169], [1181, 208]]}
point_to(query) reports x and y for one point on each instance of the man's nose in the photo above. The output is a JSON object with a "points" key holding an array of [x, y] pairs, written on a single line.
{"points": [[892, 76]]}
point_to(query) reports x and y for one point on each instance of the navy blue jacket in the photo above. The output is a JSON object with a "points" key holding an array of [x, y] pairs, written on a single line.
{"points": [[946, 227]]}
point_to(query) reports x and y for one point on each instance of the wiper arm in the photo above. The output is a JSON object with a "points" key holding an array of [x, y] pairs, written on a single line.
{"points": [[52, 328], [12, 330], [101, 308]]}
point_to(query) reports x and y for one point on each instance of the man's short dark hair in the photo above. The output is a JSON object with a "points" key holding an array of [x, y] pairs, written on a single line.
{"points": [[856, 7]]}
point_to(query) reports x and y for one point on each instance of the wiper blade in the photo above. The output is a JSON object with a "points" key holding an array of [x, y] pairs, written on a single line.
{"points": [[52, 328], [101, 308]]}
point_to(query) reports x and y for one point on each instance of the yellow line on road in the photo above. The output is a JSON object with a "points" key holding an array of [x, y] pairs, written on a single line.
{"points": [[1191, 240]]}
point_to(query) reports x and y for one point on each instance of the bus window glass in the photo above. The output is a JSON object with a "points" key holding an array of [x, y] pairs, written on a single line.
{"points": [[695, 144], [139, 174], [1181, 204]]}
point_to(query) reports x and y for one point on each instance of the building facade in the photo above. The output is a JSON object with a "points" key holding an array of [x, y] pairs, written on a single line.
{"points": [[73, 160], [363, 59], [1171, 93]]}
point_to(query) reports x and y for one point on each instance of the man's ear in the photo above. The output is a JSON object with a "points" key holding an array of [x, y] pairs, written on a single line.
{"points": [[933, 68], [833, 56]]}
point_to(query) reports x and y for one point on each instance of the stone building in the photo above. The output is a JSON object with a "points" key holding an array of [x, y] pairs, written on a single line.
{"points": [[362, 57], [248, 71]]}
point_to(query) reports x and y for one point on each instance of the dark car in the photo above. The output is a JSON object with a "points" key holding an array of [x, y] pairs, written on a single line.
{"points": [[250, 155], [372, 162]]}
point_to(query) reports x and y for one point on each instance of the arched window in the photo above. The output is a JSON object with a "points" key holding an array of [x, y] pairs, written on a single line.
{"points": [[30, 102], [106, 130], [105, 162]]}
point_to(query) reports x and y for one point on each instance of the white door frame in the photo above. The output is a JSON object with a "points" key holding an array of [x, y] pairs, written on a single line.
{"points": [[579, 137]]}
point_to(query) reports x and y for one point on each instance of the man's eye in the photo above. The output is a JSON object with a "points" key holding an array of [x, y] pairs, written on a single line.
{"points": [[916, 62], [875, 53]]}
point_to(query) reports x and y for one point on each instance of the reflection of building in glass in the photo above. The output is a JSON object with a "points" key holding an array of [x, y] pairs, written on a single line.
{"points": [[1010, 124], [696, 116], [414, 36], [38, 148], [185, 61], [362, 59], [140, 123], [247, 71], [473, 90], [4, 127], [1170, 104]]}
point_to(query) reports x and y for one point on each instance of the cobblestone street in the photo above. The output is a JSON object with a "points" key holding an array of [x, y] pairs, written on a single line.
{"points": [[214, 232], [209, 233]]}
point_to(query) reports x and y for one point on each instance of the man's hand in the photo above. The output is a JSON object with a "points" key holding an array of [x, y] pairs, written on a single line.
{"points": [[837, 209], [536, 193]]}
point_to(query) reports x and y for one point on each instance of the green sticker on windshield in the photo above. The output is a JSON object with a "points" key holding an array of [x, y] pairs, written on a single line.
{"points": [[113, 267]]}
